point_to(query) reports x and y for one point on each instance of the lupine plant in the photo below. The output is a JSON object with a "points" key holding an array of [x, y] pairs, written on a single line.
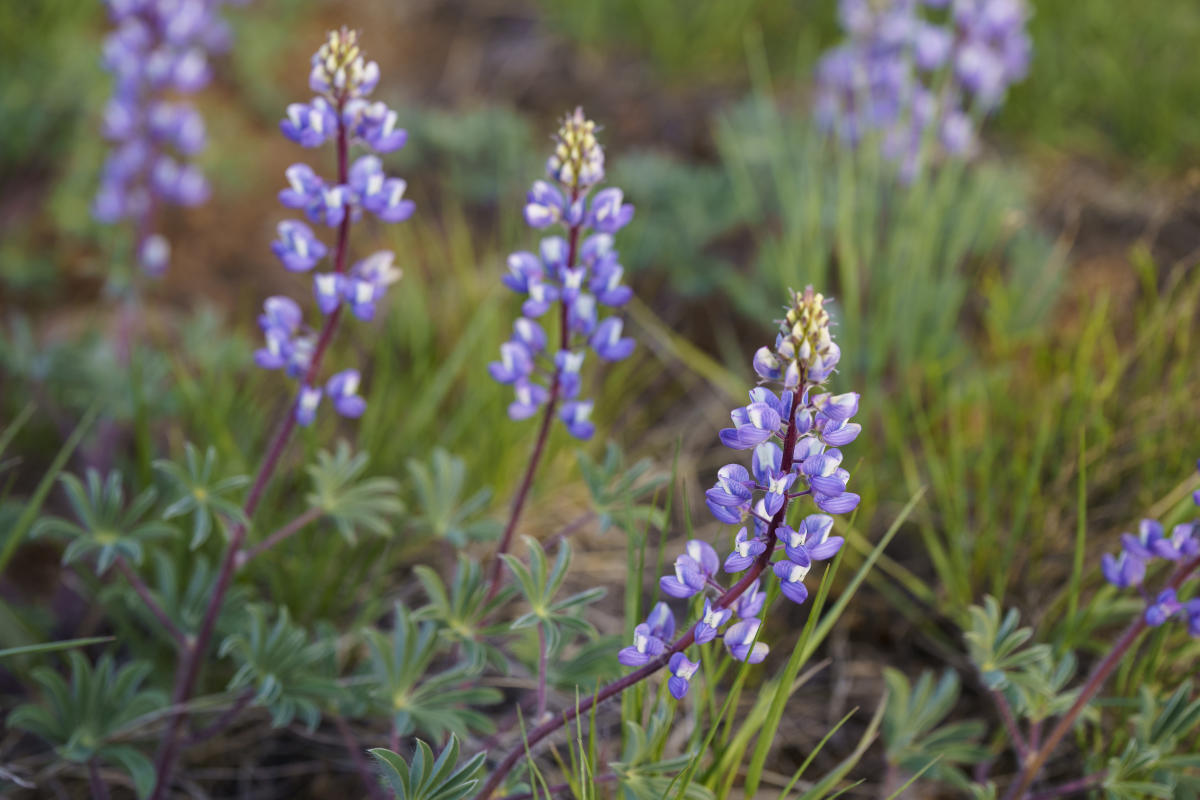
{"points": [[494, 667], [903, 73], [1032, 685], [158, 53], [575, 276], [341, 115]]}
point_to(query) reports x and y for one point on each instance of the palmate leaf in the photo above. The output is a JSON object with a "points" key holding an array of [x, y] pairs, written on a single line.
{"points": [[200, 493], [616, 489], [429, 778], [355, 503], [461, 609], [1159, 761], [402, 686], [439, 507], [106, 527], [82, 717], [539, 583], [997, 645], [288, 673], [913, 734]]}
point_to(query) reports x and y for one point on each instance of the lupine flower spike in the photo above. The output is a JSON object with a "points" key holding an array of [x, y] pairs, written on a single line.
{"points": [[576, 273], [795, 438], [1152, 544], [902, 75], [340, 114], [572, 275], [158, 54]]}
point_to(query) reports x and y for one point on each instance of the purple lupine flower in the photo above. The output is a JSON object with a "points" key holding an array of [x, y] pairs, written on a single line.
{"points": [[576, 415], [745, 552], [791, 580], [515, 363], [339, 115], [901, 75], [689, 578], [155, 50], [310, 124], [306, 405], [1124, 570], [1128, 568], [803, 358], [342, 389], [1165, 606], [649, 638], [682, 671], [739, 639], [750, 603], [374, 124], [297, 247], [710, 624], [577, 272]]}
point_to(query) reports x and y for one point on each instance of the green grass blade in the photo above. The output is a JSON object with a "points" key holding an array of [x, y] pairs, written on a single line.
{"points": [[24, 522], [51, 647]]}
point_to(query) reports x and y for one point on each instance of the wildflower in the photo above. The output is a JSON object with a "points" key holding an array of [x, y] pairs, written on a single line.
{"points": [[649, 638], [693, 569], [710, 624], [1163, 608], [155, 50], [682, 671], [1128, 568], [739, 639], [577, 273], [795, 437], [339, 115], [903, 76]]}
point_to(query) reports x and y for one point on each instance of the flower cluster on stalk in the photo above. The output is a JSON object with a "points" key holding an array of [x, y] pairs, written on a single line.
{"points": [[158, 53], [906, 71], [341, 114], [795, 437], [1152, 543], [575, 274]]}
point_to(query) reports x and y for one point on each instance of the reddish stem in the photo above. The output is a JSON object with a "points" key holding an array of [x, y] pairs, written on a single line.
{"points": [[1034, 764], [1010, 722], [291, 529], [193, 657], [368, 775], [682, 643], [143, 591], [539, 446]]}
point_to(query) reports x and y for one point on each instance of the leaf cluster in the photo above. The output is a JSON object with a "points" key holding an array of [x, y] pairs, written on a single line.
{"points": [[353, 503], [402, 685], [1160, 760], [289, 675], [916, 737], [200, 493], [107, 528], [429, 778], [440, 507], [539, 583], [85, 718], [1028, 675], [461, 609], [616, 489]]}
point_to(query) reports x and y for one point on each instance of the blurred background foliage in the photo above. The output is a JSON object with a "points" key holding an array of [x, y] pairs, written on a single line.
{"points": [[1022, 329]]}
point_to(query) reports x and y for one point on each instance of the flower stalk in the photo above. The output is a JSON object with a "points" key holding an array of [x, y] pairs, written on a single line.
{"points": [[1036, 761]]}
